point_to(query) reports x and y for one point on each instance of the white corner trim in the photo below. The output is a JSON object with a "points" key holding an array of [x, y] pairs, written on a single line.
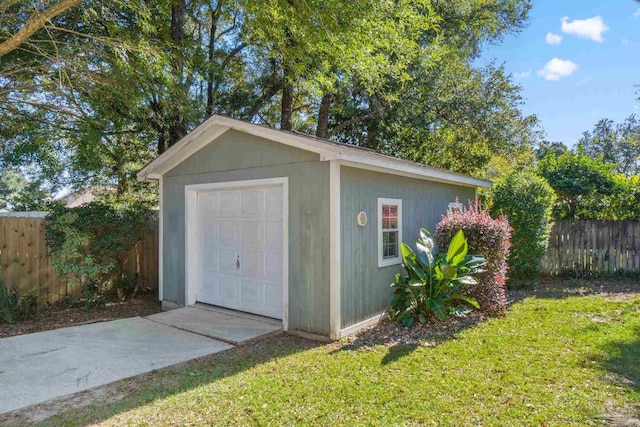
{"points": [[334, 244], [361, 325], [160, 240], [396, 260], [192, 234]]}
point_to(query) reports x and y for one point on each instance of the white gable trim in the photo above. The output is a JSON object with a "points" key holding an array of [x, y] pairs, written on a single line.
{"points": [[217, 125]]}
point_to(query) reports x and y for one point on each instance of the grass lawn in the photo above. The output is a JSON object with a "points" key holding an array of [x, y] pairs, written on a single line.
{"points": [[564, 360]]}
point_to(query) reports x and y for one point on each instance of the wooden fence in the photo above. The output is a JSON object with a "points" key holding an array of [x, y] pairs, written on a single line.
{"points": [[26, 265], [592, 248]]}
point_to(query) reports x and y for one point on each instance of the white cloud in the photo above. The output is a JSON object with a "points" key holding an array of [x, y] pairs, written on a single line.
{"points": [[637, 14], [522, 74], [553, 38], [591, 28], [557, 68]]}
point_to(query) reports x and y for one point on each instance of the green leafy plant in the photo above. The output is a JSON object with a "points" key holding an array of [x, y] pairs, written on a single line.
{"points": [[14, 306], [434, 283], [489, 237], [527, 202], [90, 246]]}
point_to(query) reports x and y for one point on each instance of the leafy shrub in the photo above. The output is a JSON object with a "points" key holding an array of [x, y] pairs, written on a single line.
{"points": [[527, 201], [89, 245], [433, 284], [489, 237], [13, 306]]}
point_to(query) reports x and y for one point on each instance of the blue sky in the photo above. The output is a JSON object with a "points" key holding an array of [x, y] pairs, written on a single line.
{"points": [[577, 61]]}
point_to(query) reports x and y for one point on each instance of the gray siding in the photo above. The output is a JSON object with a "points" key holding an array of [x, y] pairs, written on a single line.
{"points": [[365, 290], [236, 156]]}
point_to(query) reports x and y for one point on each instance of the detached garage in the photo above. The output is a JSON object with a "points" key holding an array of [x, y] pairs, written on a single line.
{"points": [[290, 226]]}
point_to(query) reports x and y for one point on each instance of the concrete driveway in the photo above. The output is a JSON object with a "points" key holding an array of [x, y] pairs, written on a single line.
{"points": [[45, 365]]}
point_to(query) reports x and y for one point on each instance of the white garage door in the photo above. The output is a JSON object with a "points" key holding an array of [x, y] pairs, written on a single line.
{"points": [[241, 239]]}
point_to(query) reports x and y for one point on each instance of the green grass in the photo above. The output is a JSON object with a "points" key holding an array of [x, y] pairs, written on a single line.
{"points": [[548, 362]]}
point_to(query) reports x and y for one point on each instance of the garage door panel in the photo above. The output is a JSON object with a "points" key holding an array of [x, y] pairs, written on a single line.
{"points": [[273, 235], [252, 264], [209, 203], [252, 234], [209, 230], [252, 203], [273, 203], [229, 203], [229, 234], [273, 268], [209, 286], [252, 292], [210, 259], [273, 297], [241, 249], [229, 287]]}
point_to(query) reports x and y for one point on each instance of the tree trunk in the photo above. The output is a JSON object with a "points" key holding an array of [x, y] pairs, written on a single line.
{"points": [[177, 127], [212, 51], [287, 105], [323, 116]]}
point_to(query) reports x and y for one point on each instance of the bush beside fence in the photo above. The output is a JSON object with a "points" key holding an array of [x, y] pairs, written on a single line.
{"points": [[593, 248], [26, 265]]}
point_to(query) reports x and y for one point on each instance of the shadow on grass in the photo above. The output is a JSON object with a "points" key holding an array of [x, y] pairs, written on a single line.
{"points": [[89, 408], [401, 342], [625, 361], [560, 288]]}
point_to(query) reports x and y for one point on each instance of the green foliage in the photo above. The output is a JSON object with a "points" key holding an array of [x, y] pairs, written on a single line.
{"points": [[118, 82], [618, 145], [489, 237], [527, 201], [434, 284], [13, 306], [582, 184], [89, 245]]}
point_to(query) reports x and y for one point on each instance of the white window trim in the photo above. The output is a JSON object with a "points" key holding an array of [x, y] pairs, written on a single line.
{"points": [[456, 205], [382, 262]]}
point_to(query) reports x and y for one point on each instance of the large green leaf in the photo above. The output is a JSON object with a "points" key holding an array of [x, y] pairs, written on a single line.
{"points": [[457, 249], [437, 305], [468, 300]]}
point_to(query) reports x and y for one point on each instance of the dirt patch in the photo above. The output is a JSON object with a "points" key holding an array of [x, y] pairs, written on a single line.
{"points": [[63, 314]]}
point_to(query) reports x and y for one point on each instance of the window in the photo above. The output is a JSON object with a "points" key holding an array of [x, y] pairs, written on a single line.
{"points": [[389, 231], [456, 206]]}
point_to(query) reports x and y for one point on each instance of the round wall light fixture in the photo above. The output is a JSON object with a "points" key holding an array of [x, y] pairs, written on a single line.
{"points": [[362, 218]]}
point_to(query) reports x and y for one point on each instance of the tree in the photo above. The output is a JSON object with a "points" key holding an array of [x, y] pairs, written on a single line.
{"points": [[581, 183], [106, 86], [617, 144]]}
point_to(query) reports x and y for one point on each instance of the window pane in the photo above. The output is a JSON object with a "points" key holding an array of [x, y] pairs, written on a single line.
{"points": [[385, 211], [389, 244], [393, 222], [393, 251], [385, 223], [393, 211]]}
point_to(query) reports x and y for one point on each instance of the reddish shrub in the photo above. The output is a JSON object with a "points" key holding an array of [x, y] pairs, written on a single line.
{"points": [[488, 237]]}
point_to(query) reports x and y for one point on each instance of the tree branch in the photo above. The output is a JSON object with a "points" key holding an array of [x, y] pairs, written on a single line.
{"points": [[35, 22]]}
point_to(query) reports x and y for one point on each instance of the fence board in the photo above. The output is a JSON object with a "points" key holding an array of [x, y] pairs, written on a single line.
{"points": [[26, 265], [590, 247]]}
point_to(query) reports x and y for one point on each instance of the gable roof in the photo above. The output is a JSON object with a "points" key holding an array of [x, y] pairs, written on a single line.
{"points": [[349, 155]]}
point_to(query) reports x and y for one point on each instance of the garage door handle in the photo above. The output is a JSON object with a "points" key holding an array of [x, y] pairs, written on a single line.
{"points": [[238, 263]]}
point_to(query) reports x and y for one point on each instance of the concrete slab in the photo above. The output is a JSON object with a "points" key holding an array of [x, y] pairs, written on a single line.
{"points": [[224, 326], [45, 365]]}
